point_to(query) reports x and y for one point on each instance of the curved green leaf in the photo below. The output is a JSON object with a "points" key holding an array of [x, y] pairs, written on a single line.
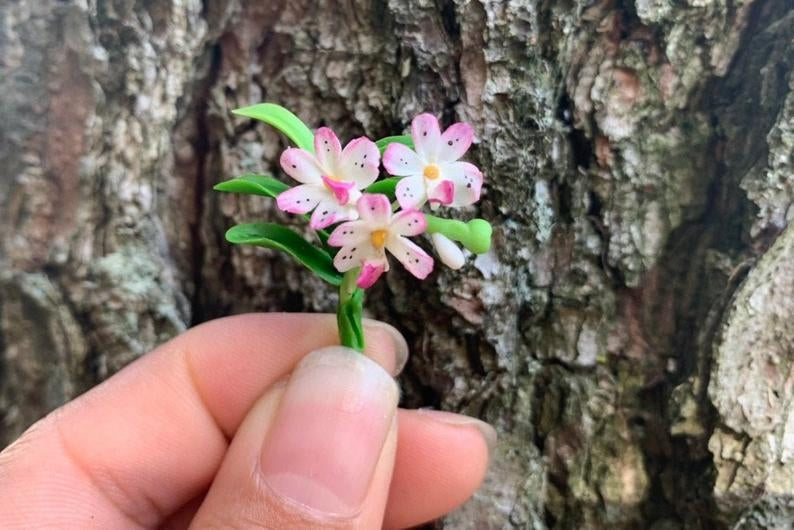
{"points": [[279, 237], [385, 186], [252, 184], [383, 143], [283, 120]]}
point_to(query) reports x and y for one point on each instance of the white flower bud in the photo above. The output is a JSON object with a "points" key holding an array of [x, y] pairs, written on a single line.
{"points": [[448, 252]]}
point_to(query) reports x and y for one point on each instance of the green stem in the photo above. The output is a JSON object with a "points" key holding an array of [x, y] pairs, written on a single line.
{"points": [[348, 314], [474, 235]]}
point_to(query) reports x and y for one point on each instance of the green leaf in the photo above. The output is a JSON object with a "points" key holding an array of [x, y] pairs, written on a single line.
{"points": [[385, 186], [252, 184], [283, 120], [383, 143], [279, 237]]}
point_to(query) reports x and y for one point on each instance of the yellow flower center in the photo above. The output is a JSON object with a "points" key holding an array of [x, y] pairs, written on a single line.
{"points": [[378, 238], [431, 172]]}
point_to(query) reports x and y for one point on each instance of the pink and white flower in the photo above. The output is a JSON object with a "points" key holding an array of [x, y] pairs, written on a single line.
{"points": [[433, 172], [331, 179], [364, 242]]}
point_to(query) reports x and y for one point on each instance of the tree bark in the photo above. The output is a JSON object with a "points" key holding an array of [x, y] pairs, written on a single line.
{"points": [[630, 334]]}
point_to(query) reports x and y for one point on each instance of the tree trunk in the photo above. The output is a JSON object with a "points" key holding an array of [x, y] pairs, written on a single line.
{"points": [[631, 333]]}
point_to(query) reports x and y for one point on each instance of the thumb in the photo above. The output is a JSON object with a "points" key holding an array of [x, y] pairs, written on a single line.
{"points": [[314, 452]]}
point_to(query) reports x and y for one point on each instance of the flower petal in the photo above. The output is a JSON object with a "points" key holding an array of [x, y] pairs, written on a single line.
{"points": [[375, 209], [410, 192], [427, 136], [359, 162], [413, 258], [301, 199], [341, 190], [328, 150], [329, 212], [301, 165], [455, 141], [409, 223], [370, 273], [441, 193], [349, 233], [400, 160], [448, 252], [468, 182], [352, 256]]}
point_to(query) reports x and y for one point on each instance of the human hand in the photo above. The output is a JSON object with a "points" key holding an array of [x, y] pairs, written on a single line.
{"points": [[226, 426]]}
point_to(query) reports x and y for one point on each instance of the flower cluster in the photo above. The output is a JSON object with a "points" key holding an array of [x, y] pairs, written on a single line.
{"points": [[333, 183]]}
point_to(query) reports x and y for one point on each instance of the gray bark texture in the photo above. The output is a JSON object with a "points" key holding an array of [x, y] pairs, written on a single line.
{"points": [[631, 332]]}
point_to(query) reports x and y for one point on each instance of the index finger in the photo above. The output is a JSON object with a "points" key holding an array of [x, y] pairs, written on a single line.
{"points": [[149, 439]]}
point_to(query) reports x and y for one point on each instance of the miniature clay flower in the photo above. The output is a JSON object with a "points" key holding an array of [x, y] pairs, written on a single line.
{"points": [[364, 242], [433, 172], [331, 179]]}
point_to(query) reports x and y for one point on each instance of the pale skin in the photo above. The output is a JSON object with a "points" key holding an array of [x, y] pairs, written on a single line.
{"points": [[214, 428]]}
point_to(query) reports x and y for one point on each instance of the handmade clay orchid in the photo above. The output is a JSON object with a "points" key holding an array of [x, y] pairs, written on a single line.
{"points": [[331, 179], [338, 186], [433, 172], [364, 242]]}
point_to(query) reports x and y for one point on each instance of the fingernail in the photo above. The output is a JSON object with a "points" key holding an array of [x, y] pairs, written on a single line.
{"points": [[486, 430], [327, 436], [400, 345]]}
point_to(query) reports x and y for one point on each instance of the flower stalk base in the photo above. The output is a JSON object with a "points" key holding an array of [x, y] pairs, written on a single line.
{"points": [[349, 312]]}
